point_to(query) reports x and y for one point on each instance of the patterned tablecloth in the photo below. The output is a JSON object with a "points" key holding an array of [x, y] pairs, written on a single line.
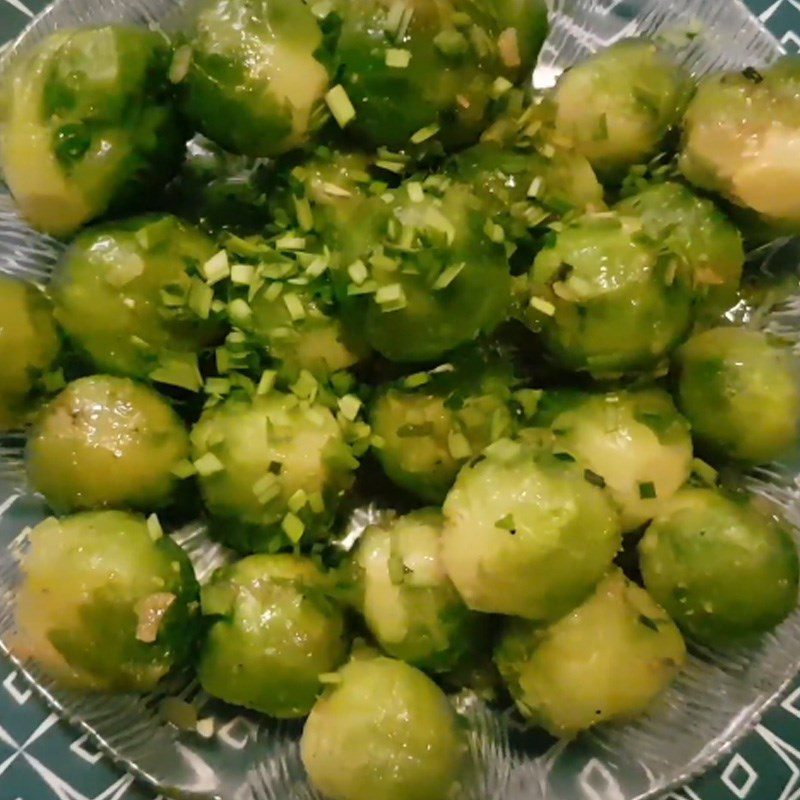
{"points": [[44, 759]]}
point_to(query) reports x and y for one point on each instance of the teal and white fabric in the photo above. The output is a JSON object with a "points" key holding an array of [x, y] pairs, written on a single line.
{"points": [[41, 758]]}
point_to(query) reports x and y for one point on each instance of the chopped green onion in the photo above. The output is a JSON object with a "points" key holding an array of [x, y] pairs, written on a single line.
{"points": [[423, 134], [290, 243], [183, 469], [416, 380], [705, 472], [305, 217], [267, 382], [447, 276], [317, 267], [216, 268], [594, 478], [506, 523], [415, 191], [500, 87], [293, 528], [243, 274], [208, 464], [458, 445], [316, 502], [295, 306], [536, 186], [201, 295], [297, 501], [181, 61], [398, 59], [306, 386], [329, 678], [340, 106], [391, 297], [358, 272], [545, 306], [349, 405], [239, 310], [154, 527]]}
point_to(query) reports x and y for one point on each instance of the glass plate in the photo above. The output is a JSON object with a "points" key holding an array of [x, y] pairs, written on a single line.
{"points": [[719, 697]]}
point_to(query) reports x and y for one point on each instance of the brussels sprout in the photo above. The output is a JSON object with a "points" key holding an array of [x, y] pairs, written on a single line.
{"points": [[398, 724], [616, 107], [405, 596], [89, 126], [741, 393], [220, 190], [607, 298], [106, 443], [272, 469], [253, 83], [389, 54], [700, 233], [635, 441], [723, 571], [105, 604], [295, 324], [525, 188], [741, 141], [608, 659], [431, 423], [420, 273], [29, 345], [273, 632], [132, 295], [526, 533]]}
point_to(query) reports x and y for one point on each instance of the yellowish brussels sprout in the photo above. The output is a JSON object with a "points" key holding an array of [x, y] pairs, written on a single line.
{"points": [[527, 534], [403, 592], [133, 296], [430, 424], [253, 82], [722, 569], [106, 442], [608, 659], [383, 730], [616, 107], [741, 140], [607, 298], [272, 470], [107, 602], [741, 393], [90, 126], [698, 231], [273, 632], [635, 441], [29, 346]]}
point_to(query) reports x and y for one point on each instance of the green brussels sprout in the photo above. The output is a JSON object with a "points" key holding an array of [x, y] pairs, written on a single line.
{"points": [[89, 126], [272, 469], [740, 140], [253, 82], [273, 632], [106, 603], [388, 54], [608, 299], [526, 533], [525, 188], [635, 441], [741, 392], [700, 233], [608, 659], [132, 295], [106, 443], [383, 730], [29, 346], [296, 323], [405, 596], [616, 107], [722, 570], [431, 423], [420, 275], [220, 190]]}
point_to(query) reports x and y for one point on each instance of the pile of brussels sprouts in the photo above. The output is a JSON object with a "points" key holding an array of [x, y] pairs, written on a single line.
{"points": [[384, 269]]}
